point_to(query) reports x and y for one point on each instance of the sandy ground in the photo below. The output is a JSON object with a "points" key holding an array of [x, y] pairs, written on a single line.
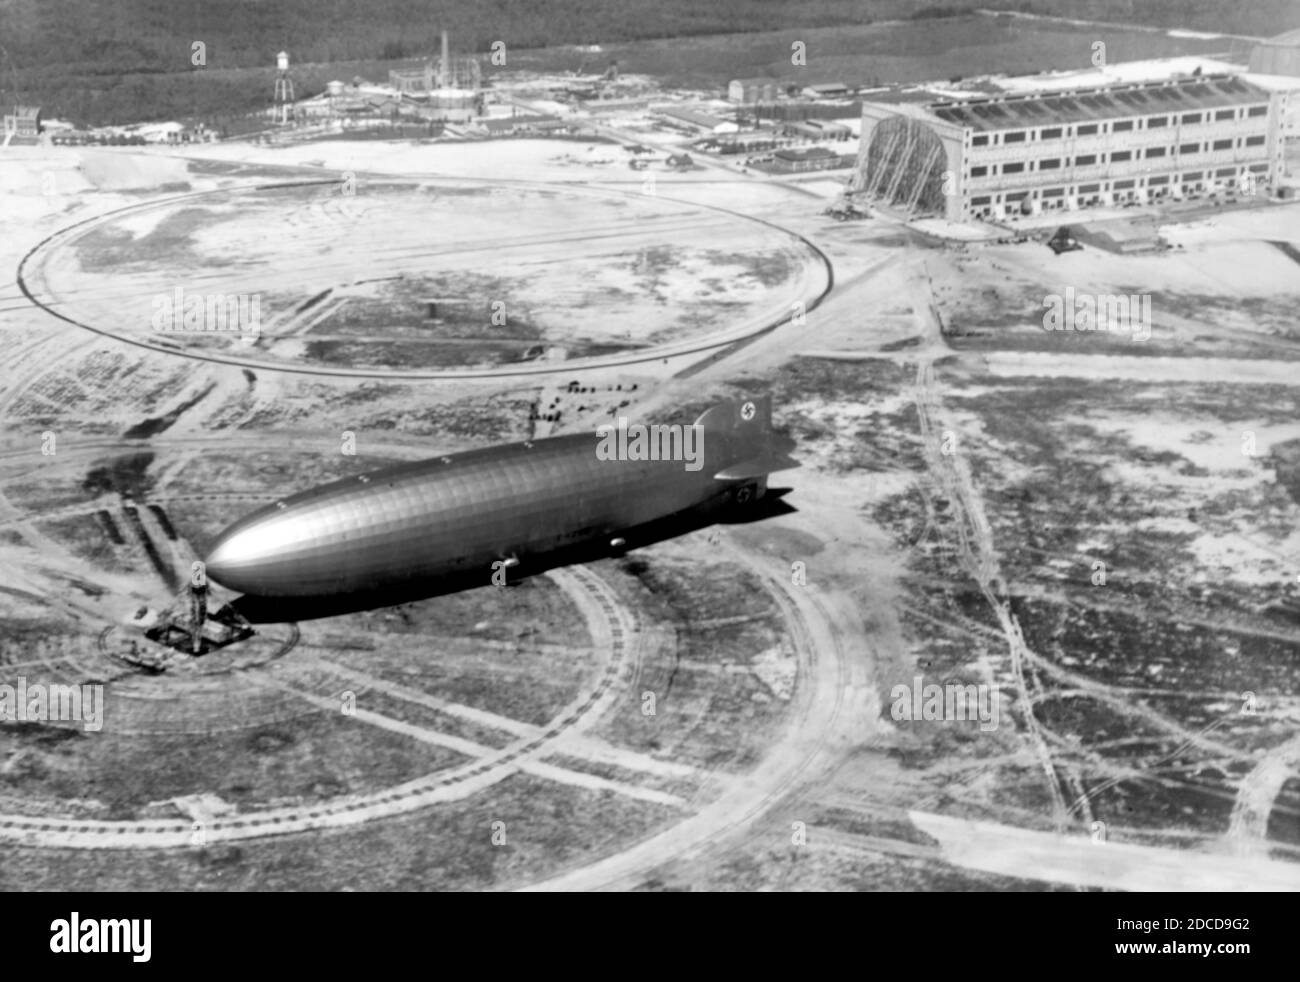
{"points": [[846, 627], [621, 265]]}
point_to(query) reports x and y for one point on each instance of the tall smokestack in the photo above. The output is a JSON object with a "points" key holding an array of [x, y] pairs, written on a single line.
{"points": [[444, 69]]}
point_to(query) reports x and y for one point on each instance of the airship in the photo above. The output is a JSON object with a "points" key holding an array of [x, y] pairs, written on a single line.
{"points": [[490, 509]]}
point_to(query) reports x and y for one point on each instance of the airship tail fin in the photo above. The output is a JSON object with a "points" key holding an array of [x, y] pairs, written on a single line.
{"points": [[740, 417], [751, 448], [757, 467]]}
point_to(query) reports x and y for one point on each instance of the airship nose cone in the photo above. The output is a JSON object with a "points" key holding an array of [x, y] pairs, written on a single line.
{"points": [[275, 552], [244, 554], [230, 557]]}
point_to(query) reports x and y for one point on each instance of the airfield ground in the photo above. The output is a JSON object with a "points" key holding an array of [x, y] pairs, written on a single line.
{"points": [[709, 711]]}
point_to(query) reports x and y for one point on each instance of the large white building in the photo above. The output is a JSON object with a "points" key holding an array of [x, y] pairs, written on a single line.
{"points": [[23, 125], [967, 158], [1277, 56]]}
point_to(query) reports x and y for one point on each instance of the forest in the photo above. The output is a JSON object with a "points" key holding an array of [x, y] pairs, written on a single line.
{"points": [[118, 61]]}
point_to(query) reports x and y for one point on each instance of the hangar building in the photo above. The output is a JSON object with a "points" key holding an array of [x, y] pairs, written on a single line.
{"points": [[1277, 56], [984, 156]]}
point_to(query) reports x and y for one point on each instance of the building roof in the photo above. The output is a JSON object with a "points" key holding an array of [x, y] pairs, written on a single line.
{"points": [[1181, 95], [691, 116], [898, 95], [1111, 73], [510, 122], [1289, 39], [809, 153]]}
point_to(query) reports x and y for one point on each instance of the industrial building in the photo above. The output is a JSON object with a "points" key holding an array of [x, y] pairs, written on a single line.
{"points": [[743, 143], [1277, 56], [694, 118], [748, 91], [451, 86], [827, 90], [22, 125], [523, 123], [1070, 148], [802, 160], [817, 129]]}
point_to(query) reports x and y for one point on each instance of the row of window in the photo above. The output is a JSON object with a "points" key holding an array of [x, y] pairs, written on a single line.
{"points": [[1118, 126], [1258, 140], [1188, 178], [1118, 156]]}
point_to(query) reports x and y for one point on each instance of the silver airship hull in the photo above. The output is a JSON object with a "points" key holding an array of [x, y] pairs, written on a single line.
{"points": [[466, 512]]}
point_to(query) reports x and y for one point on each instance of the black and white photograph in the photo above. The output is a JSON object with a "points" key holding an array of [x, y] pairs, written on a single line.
{"points": [[837, 446]]}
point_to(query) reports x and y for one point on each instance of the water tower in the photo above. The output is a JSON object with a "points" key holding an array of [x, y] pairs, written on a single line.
{"points": [[283, 89]]}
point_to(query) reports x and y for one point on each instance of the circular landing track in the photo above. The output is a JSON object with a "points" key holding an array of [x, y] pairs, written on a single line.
{"points": [[248, 690], [424, 279]]}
